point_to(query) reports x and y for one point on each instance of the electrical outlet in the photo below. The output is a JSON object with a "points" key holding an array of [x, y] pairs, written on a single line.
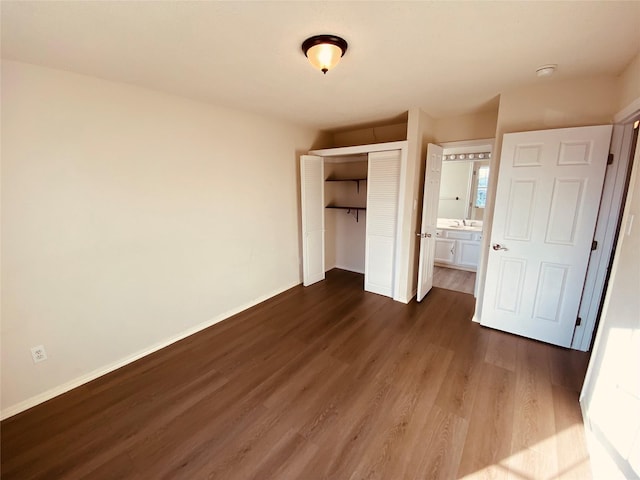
{"points": [[38, 353]]}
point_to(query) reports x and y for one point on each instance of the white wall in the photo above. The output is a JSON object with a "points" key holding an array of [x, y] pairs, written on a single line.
{"points": [[611, 395], [131, 218], [350, 240]]}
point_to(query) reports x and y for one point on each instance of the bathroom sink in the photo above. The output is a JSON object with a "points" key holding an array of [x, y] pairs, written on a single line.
{"points": [[467, 228], [453, 224]]}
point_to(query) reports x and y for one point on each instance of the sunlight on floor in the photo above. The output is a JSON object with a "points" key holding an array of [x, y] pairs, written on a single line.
{"points": [[543, 460]]}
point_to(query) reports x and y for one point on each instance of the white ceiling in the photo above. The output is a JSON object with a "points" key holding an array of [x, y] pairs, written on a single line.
{"points": [[447, 58]]}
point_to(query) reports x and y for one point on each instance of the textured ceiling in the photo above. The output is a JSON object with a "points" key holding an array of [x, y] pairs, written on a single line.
{"points": [[447, 58]]}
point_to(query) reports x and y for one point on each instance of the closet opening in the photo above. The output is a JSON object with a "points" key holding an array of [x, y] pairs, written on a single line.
{"points": [[345, 195], [352, 201]]}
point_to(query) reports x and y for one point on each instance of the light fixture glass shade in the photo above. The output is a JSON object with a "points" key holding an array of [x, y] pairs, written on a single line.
{"points": [[324, 51], [324, 56]]}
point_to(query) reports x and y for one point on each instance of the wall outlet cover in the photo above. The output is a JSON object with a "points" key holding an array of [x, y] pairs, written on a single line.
{"points": [[38, 353]]}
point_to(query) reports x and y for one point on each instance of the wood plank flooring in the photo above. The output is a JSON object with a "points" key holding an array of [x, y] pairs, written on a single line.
{"points": [[321, 382], [454, 279]]}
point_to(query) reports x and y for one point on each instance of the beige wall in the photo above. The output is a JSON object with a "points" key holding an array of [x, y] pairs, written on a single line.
{"points": [[471, 126], [130, 218], [474, 126], [365, 136], [629, 82], [591, 101], [545, 105]]}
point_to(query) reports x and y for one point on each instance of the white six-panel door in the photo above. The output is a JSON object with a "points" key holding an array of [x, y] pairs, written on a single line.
{"points": [[383, 184], [430, 200], [547, 199], [312, 199]]}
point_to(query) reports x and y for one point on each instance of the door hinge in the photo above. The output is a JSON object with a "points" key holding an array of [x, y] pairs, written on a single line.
{"points": [[578, 321], [594, 245], [610, 159]]}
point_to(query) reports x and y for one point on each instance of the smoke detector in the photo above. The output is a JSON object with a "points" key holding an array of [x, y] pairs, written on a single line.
{"points": [[546, 70]]}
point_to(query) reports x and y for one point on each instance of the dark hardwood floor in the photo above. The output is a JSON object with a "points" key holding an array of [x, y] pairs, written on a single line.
{"points": [[326, 381]]}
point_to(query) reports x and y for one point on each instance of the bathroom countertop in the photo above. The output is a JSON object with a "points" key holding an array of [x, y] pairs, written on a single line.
{"points": [[451, 225]]}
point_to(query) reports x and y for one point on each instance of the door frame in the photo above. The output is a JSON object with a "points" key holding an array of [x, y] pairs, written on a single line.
{"points": [[400, 268], [472, 146], [611, 207]]}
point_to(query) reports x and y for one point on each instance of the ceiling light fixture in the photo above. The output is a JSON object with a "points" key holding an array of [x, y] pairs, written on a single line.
{"points": [[546, 70], [324, 51], [467, 156]]}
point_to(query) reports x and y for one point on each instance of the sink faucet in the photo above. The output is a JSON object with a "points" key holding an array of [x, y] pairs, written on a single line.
{"points": [[464, 223]]}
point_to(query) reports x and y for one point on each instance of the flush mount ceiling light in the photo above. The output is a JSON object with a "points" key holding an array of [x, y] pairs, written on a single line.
{"points": [[546, 70], [324, 51]]}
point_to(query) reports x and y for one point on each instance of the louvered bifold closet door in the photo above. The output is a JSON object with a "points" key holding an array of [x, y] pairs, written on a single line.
{"points": [[312, 199], [383, 183]]}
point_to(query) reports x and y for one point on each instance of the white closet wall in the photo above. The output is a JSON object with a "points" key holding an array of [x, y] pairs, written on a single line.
{"points": [[350, 241], [330, 218]]}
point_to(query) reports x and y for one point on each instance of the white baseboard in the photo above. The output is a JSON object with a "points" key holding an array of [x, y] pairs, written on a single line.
{"points": [[406, 300], [76, 382], [350, 269]]}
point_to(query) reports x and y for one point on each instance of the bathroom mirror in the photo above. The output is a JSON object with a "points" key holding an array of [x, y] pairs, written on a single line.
{"points": [[464, 180], [463, 190]]}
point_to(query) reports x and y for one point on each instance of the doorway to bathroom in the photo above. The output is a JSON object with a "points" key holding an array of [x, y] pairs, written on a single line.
{"points": [[461, 206]]}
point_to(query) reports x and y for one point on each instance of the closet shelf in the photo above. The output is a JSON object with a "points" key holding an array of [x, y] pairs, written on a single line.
{"points": [[361, 179], [349, 210], [353, 179], [345, 207]]}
